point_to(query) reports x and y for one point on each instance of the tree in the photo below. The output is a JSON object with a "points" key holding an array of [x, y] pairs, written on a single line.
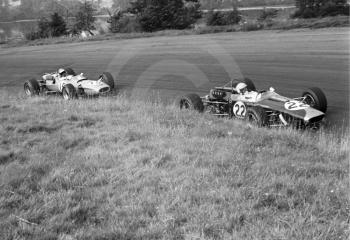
{"points": [[321, 8], [57, 25], [4, 10], [85, 18], [122, 4], [223, 18], [156, 15], [44, 28], [114, 20]]}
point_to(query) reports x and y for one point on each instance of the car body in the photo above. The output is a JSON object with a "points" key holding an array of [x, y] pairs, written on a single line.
{"points": [[264, 108], [70, 85]]}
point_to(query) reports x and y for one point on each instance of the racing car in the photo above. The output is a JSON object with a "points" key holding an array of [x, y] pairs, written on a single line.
{"points": [[66, 82], [240, 99]]}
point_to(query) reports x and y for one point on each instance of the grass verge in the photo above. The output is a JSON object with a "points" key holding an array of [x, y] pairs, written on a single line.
{"points": [[114, 168], [286, 24]]}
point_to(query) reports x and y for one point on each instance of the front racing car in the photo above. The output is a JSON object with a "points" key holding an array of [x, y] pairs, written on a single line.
{"points": [[263, 108]]}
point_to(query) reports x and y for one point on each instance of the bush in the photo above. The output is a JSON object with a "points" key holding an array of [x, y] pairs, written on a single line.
{"points": [[267, 14], [44, 28], [332, 9], [166, 14], [223, 18], [321, 8], [85, 18], [114, 21], [54, 28], [32, 36], [57, 26], [251, 26], [120, 23]]}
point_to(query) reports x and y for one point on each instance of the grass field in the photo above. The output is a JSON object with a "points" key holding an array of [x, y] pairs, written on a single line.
{"points": [[115, 168]]}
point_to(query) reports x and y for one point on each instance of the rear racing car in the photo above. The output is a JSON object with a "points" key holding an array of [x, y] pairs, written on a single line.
{"points": [[240, 99], [69, 84]]}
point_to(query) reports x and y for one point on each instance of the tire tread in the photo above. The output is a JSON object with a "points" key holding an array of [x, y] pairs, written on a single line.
{"points": [[319, 96]]}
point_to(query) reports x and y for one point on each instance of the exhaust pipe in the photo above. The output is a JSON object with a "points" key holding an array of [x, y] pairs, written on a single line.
{"points": [[285, 123]]}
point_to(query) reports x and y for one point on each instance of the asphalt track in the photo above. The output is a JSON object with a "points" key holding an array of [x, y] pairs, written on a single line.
{"points": [[290, 61]]}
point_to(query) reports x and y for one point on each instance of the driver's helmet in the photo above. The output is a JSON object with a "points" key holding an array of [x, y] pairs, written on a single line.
{"points": [[242, 88], [62, 72]]}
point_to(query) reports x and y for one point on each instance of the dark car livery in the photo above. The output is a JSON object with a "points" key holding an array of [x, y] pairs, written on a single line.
{"points": [[264, 108]]}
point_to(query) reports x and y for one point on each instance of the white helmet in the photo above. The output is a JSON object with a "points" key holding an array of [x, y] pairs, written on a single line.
{"points": [[240, 87], [61, 71]]}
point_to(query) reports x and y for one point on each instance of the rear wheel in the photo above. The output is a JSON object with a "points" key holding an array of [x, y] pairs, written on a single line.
{"points": [[250, 84], [257, 116], [191, 101], [68, 92], [108, 79], [315, 98], [32, 87], [70, 71]]}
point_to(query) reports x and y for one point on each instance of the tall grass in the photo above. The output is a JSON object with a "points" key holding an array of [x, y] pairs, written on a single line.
{"points": [[115, 168]]}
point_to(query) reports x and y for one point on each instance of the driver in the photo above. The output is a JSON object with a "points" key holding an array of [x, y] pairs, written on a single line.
{"points": [[244, 94], [62, 73], [242, 88]]}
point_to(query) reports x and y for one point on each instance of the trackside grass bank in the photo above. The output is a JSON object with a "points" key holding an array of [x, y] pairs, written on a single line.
{"points": [[114, 168]]}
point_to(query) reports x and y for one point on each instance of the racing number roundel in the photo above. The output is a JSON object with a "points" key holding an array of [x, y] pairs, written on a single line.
{"points": [[239, 109], [295, 105]]}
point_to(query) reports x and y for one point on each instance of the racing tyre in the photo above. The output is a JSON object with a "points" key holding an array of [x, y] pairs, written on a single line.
{"points": [[68, 92], [250, 84], [31, 87], [316, 99], [108, 79], [70, 71], [191, 101], [257, 116]]}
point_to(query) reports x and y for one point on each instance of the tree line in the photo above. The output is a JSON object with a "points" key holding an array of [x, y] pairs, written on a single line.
{"points": [[153, 15], [56, 25], [321, 8], [31, 9]]}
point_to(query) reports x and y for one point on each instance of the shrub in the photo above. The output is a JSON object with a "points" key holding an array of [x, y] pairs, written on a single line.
{"points": [[114, 21], [167, 14], [57, 26], [214, 19], [251, 26], [223, 18], [333, 9], [267, 14], [84, 19], [54, 28], [44, 28], [122, 23], [321, 8], [32, 36]]}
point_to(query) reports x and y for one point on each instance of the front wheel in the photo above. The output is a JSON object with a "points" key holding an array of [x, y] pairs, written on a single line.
{"points": [[315, 98], [68, 92], [191, 101], [108, 79], [31, 87], [257, 116]]}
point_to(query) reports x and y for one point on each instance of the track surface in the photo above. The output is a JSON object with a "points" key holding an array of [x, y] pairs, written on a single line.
{"points": [[289, 61]]}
